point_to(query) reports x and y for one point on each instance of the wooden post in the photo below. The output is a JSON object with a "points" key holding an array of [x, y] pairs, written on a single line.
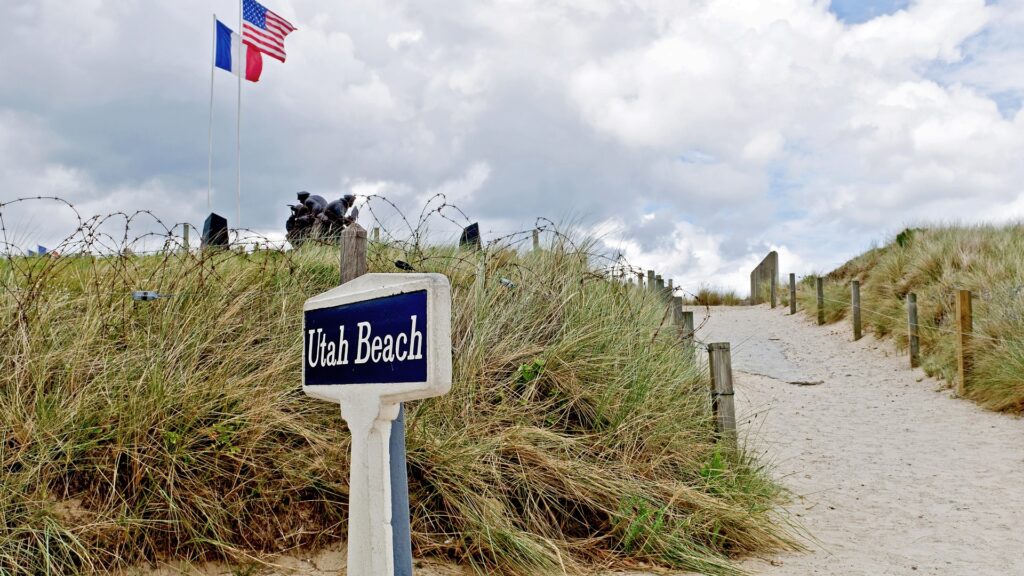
{"points": [[650, 281], [913, 337], [820, 285], [536, 239], [671, 289], [688, 336], [855, 305], [481, 273], [722, 405], [659, 285], [792, 293], [775, 288], [376, 234], [965, 326], [353, 252], [677, 313], [352, 266], [184, 236]]}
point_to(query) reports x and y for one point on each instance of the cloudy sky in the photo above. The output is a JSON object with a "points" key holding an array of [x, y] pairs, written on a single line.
{"points": [[692, 135]]}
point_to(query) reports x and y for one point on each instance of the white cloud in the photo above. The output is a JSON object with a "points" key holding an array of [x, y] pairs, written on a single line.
{"points": [[700, 134]]}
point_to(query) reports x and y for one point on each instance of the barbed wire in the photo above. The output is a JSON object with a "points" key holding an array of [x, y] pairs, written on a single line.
{"points": [[114, 241]]}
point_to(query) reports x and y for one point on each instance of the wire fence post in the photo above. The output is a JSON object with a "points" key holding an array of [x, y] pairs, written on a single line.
{"points": [[184, 237], [688, 333], [774, 288], [481, 274], [792, 293], [965, 326], [376, 234], [855, 305], [913, 338], [722, 404], [353, 253], [536, 240], [650, 281], [819, 283]]}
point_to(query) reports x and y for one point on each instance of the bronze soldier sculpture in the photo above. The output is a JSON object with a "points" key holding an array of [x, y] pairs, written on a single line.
{"points": [[313, 218]]}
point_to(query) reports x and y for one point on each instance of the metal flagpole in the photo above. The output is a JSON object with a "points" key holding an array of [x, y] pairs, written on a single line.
{"points": [[213, 66], [238, 130]]}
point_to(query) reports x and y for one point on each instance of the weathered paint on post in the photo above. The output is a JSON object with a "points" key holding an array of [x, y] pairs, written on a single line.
{"points": [[722, 404], [353, 253], [855, 305], [913, 337], [820, 287], [792, 293], [965, 327]]}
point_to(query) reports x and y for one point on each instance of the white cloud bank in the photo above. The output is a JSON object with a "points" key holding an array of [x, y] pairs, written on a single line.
{"points": [[693, 135]]}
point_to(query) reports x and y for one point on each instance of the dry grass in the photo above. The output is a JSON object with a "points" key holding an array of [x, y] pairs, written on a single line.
{"points": [[714, 296], [576, 434], [934, 263]]}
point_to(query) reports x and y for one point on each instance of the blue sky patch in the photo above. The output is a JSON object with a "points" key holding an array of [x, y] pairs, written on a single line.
{"points": [[858, 11]]}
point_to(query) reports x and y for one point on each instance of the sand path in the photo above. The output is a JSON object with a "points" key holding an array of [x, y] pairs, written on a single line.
{"points": [[890, 474]]}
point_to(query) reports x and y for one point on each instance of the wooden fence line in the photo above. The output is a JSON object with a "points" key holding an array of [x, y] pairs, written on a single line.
{"points": [[964, 331]]}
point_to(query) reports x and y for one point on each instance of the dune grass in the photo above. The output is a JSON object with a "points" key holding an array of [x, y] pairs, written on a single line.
{"points": [[708, 295], [577, 433], [934, 263]]}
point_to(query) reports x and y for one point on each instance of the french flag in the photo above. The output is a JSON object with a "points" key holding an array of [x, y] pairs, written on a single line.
{"points": [[239, 59]]}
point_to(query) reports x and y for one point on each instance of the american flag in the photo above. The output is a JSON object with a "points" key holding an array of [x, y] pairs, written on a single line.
{"points": [[264, 30]]}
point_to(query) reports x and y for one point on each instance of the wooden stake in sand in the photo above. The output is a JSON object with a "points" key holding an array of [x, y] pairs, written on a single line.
{"points": [[722, 405], [820, 285], [792, 293], [855, 305], [914, 340], [965, 326]]}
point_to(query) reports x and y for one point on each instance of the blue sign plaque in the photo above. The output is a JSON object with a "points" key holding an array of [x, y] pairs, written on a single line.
{"points": [[383, 340]]}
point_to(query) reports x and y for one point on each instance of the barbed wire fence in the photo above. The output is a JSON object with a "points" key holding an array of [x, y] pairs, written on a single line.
{"points": [[117, 241]]}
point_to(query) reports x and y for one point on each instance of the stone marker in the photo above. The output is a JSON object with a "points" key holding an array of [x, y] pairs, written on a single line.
{"points": [[369, 345]]}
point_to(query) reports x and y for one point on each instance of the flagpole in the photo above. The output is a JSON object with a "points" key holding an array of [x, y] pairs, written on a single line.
{"points": [[209, 168], [238, 127]]}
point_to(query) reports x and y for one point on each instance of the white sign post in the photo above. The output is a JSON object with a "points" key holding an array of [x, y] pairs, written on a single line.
{"points": [[369, 345]]}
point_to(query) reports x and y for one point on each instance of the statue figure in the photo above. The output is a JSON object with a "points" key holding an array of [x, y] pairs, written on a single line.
{"points": [[314, 218]]}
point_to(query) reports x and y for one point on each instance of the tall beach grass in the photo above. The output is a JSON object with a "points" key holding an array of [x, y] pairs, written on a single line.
{"points": [[577, 433]]}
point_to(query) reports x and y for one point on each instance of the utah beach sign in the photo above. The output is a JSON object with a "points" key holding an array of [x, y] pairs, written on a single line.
{"points": [[369, 345]]}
